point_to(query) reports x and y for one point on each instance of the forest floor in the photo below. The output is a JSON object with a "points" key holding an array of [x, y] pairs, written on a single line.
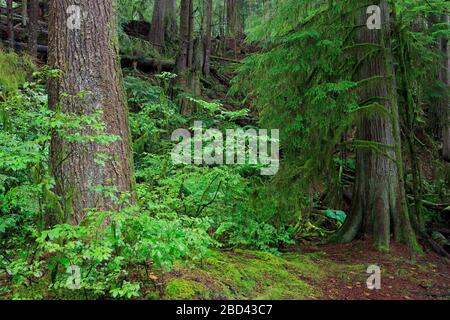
{"points": [[401, 278], [312, 272], [309, 272]]}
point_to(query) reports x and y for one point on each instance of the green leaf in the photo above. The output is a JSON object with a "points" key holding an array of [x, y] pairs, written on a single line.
{"points": [[336, 215]]}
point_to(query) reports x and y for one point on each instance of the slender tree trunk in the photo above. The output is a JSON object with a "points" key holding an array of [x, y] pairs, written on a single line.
{"points": [[191, 35], [439, 113], [208, 37], [157, 30], [171, 24], [234, 23], [445, 78], [187, 59], [184, 60], [221, 44], [24, 13], [10, 21], [88, 59], [379, 196], [33, 27]]}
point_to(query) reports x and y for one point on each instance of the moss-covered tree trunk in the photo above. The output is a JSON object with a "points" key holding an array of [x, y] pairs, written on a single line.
{"points": [[87, 55], [379, 200]]}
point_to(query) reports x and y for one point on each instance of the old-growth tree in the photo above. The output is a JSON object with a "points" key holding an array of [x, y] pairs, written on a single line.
{"points": [[88, 59], [379, 200], [317, 82]]}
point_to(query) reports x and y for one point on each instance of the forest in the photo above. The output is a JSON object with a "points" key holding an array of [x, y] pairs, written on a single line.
{"points": [[224, 150]]}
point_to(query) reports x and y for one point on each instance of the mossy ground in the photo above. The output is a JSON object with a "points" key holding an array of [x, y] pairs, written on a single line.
{"points": [[326, 272], [243, 274], [184, 289]]}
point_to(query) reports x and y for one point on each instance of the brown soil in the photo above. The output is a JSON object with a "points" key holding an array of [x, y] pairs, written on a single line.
{"points": [[401, 278]]}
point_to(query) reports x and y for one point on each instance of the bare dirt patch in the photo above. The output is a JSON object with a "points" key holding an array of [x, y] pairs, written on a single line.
{"points": [[428, 277]]}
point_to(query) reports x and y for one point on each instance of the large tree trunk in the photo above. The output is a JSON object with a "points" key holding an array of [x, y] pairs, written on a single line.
{"points": [[157, 30], [379, 194], [88, 58], [33, 27]]}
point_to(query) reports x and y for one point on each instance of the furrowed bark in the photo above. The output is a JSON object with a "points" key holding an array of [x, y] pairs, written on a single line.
{"points": [[379, 194], [88, 59]]}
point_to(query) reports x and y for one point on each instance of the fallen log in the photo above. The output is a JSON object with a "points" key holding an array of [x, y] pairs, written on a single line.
{"points": [[21, 46], [441, 230], [225, 59], [223, 80], [22, 30], [18, 18], [443, 207], [142, 64], [148, 65]]}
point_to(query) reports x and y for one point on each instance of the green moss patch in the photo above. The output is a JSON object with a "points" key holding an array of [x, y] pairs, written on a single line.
{"points": [[244, 274], [184, 289]]}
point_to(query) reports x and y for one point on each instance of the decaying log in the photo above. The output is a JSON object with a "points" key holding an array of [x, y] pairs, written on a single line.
{"points": [[148, 65], [443, 207], [21, 46], [142, 64], [223, 80], [226, 59]]}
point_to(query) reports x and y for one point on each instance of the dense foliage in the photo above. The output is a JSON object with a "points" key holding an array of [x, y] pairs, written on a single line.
{"points": [[297, 74], [181, 211], [312, 94]]}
